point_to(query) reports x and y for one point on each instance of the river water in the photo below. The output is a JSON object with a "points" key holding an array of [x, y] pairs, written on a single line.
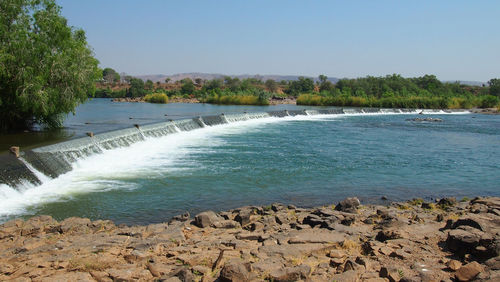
{"points": [[302, 160]]}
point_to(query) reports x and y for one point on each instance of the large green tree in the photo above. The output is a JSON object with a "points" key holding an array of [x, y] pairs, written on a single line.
{"points": [[46, 66], [494, 84]]}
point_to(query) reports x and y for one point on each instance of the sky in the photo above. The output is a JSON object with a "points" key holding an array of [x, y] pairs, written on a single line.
{"points": [[453, 39]]}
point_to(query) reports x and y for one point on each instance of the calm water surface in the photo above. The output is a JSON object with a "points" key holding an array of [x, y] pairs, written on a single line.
{"points": [[307, 161]]}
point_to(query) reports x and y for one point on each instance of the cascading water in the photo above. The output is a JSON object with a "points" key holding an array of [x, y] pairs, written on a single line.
{"points": [[49, 162]]}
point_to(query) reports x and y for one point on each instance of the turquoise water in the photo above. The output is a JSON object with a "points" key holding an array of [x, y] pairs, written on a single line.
{"points": [[305, 160]]}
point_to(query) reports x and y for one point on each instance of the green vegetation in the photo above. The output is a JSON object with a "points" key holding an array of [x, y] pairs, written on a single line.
{"points": [[236, 100], [46, 66], [394, 91], [159, 98]]}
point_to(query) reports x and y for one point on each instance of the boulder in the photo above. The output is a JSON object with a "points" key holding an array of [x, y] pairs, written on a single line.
{"points": [[468, 271], [236, 272], [244, 215], [206, 219], [349, 205]]}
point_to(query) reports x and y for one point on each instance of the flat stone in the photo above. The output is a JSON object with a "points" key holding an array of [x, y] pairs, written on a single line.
{"points": [[316, 236], [300, 272], [347, 276]]}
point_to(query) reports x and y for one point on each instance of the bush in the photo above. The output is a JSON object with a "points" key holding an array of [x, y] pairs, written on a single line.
{"points": [[159, 98], [236, 100]]}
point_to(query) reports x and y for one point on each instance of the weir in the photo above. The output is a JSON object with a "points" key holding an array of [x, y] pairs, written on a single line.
{"points": [[41, 164]]}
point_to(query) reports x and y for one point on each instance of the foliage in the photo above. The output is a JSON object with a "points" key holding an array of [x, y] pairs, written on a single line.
{"points": [[494, 86], [46, 67], [110, 75], [136, 88], [271, 85], [149, 85], [303, 85], [187, 86], [160, 98]]}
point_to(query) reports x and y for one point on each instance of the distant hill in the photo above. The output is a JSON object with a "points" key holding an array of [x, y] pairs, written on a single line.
{"points": [[210, 76]]}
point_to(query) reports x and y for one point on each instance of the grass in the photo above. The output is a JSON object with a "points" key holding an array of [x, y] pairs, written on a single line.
{"points": [[236, 100], [415, 102], [416, 202], [158, 98]]}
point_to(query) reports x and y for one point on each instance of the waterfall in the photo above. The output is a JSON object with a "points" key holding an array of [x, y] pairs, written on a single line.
{"points": [[42, 177]]}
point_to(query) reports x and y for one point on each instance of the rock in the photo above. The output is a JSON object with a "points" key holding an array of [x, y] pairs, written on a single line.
{"points": [[244, 215], [314, 220], [468, 240], [317, 236], [6, 268], [236, 272], [69, 276], [184, 274], [385, 250], [227, 224], [472, 221], [300, 272], [390, 273], [468, 271], [447, 202], [278, 207], [75, 225], [454, 264], [182, 217], [347, 276], [349, 205], [400, 254], [206, 219], [390, 234]]}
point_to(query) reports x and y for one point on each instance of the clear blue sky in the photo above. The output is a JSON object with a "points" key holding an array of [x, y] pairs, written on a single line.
{"points": [[455, 39]]}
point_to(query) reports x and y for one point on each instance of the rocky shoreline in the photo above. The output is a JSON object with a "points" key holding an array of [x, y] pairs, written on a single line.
{"points": [[411, 241]]}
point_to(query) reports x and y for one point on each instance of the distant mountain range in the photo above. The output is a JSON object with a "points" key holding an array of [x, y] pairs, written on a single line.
{"points": [[210, 76]]}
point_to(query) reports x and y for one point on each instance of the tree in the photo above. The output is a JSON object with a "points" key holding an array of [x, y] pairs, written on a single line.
{"points": [[149, 85], [324, 84], [136, 88], [167, 80], [46, 66], [303, 85], [110, 75], [198, 81], [187, 86], [494, 84], [271, 85]]}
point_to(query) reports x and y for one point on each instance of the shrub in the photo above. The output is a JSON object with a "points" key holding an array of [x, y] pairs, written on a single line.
{"points": [[160, 98]]}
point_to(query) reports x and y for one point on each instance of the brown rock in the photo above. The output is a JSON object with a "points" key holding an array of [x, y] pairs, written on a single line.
{"points": [[468, 271], [300, 272], [237, 272], [385, 250], [454, 264], [348, 276], [206, 219]]}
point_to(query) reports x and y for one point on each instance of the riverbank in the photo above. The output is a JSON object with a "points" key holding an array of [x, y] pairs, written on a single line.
{"points": [[411, 241], [272, 101]]}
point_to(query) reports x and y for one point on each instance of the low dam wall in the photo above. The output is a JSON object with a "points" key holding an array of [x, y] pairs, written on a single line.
{"points": [[36, 165]]}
